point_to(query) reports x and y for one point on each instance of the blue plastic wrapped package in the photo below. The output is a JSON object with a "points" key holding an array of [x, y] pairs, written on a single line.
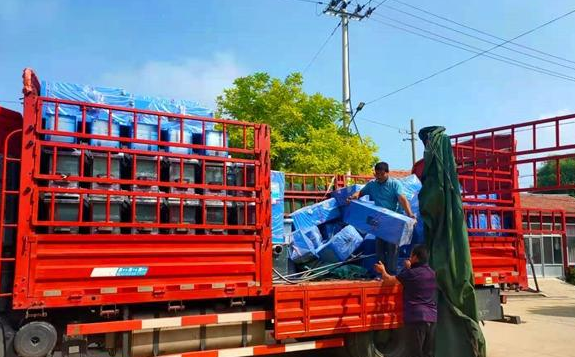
{"points": [[313, 234], [411, 187], [479, 221], [100, 127], [343, 194], [385, 224], [304, 244], [316, 214], [341, 246], [368, 249], [70, 116], [277, 192], [330, 229]]}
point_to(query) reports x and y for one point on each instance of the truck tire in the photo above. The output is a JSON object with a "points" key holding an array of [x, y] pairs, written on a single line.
{"points": [[35, 339], [384, 343]]}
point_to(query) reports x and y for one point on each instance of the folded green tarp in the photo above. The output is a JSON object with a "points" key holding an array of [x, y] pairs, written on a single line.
{"points": [[458, 330]]}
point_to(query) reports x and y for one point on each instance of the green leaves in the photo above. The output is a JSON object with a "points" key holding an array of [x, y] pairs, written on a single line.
{"points": [[547, 174], [305, 135]]}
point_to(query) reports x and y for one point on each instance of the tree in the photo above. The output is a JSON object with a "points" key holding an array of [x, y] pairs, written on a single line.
{"points": [[305, 135], [547, 174]]}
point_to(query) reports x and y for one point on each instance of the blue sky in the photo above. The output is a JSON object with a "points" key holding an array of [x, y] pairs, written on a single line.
{"points": [[194, 49]]}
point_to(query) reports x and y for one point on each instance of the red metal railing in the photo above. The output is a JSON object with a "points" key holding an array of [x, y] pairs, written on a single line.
{"points": [[146, 187], [528, 146], [9, 163]]}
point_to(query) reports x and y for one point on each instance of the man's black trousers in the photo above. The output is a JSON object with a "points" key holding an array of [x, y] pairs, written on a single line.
{"points": [[420, 339]]}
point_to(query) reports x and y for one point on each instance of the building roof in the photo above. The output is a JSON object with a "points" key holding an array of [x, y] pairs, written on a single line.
{"points": [[399, 173], [550, 201]]}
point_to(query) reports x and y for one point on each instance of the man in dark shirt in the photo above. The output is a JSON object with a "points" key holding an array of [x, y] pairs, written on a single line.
{"points": [[419, 301]]}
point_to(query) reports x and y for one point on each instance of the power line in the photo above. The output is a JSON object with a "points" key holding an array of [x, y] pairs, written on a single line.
{"points": [[378, 5], [457, 64], [474, 49], [400, 130], [482, 32], [477, 37], [321, 47], [311, 2]]}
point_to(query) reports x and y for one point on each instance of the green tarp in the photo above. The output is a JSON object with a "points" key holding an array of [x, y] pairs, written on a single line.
{"points": [[458, 330]]}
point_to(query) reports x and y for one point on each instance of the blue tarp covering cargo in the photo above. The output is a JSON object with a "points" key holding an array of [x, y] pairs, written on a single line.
{"points": [[316, 214], [277, 191], [97, 119], [383, 223], [341, 246], [343, 194], [304, 244]]}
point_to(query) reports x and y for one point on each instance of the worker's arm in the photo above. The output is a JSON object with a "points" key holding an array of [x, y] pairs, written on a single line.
{"points": [[406, 206], [385, 276], [359, 193]]}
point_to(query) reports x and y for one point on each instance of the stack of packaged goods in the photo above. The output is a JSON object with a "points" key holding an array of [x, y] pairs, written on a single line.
{"points": [[156, 154], [337, 238]]}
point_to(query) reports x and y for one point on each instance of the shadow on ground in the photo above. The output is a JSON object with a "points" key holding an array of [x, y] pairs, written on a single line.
{"points": [[557, 311]]}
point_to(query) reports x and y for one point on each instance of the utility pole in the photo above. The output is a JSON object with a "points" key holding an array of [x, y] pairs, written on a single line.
{"points": [[413, 140], [339, 8]]}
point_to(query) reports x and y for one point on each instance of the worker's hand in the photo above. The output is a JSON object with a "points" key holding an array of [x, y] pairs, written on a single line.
{"points": [[355, 196], [379, 267], [407, 264]]}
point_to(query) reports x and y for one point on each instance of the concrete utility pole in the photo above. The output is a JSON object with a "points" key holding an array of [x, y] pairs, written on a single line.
{"points": [[339, 8], [413, 139]]}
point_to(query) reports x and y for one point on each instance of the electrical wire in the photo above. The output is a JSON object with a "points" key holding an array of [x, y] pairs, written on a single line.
{"points": [[482, 32], [474, 49], [311, 2], [378, 5], [477, 37], [400, 130], [459, 63], [321, 47]]}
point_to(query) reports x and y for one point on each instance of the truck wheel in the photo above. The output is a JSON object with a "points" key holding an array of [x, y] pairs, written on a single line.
{"points": [[35, 339], [385, 343]]}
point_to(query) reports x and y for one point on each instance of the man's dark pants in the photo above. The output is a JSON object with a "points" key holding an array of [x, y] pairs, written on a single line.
{"points": [[420, 339], [387, 253]]}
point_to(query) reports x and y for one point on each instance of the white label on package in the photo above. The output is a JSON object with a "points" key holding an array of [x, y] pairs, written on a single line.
{"points": [[275, 192]]}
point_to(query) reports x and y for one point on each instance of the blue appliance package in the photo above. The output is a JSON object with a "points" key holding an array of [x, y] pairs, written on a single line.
{"points": [[369, 250], [316, 214], [383, 223], [278, 192], [304, 244], [411, 187], [341, 246], [479, 221], [69, 116], [329, 229], [343, 194]]}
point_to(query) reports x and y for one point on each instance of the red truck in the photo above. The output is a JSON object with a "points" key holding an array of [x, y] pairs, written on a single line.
{"points": [[99, 248]]}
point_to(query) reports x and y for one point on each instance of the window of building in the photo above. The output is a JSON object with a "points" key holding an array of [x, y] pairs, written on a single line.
{"points": [[571, 243]]}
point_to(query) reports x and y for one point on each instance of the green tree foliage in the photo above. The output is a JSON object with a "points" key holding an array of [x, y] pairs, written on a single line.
{"points": [[547, 174], [305, 135]]}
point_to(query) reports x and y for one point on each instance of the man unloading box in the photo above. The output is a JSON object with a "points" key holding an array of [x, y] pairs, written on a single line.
{"points": [[386, 192], [419, 301]]}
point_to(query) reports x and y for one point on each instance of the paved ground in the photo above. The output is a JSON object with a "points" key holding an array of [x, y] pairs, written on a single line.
{"points": [[548, 327]]}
